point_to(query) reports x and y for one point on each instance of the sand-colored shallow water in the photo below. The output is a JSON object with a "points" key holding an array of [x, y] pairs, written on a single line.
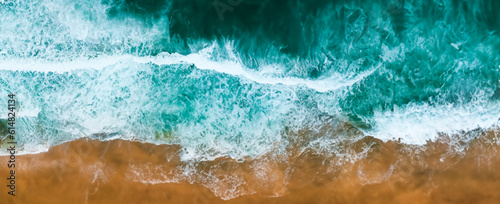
{"points": [[118, 171]]}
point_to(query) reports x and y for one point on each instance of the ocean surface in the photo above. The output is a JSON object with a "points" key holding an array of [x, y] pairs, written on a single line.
{"points": [[241, 78]]}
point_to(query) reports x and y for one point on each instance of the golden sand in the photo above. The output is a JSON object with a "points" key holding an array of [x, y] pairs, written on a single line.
{"points": [[118, 171]]}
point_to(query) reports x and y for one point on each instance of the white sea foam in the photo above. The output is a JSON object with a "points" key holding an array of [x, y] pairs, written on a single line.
{"points": [[419, 123], [201, 60]]}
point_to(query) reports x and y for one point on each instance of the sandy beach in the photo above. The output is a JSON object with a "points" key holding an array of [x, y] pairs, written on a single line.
{"points": [[118, 171]]}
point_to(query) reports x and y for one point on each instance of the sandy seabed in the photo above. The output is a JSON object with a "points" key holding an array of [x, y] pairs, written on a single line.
{"points": [[118, 171]]}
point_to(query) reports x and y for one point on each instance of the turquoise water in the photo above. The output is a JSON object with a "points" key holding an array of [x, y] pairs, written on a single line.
{"points": [[236, 78]]}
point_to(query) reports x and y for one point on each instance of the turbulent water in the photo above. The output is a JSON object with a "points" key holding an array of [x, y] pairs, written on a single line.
{"points": [[237, 78]]}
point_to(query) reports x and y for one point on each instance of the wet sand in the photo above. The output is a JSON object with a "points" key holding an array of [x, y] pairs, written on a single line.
{"points": [[118, 171]]}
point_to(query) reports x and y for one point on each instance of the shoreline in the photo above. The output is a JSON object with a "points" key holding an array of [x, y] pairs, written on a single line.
{"points": [[93, 171]]}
